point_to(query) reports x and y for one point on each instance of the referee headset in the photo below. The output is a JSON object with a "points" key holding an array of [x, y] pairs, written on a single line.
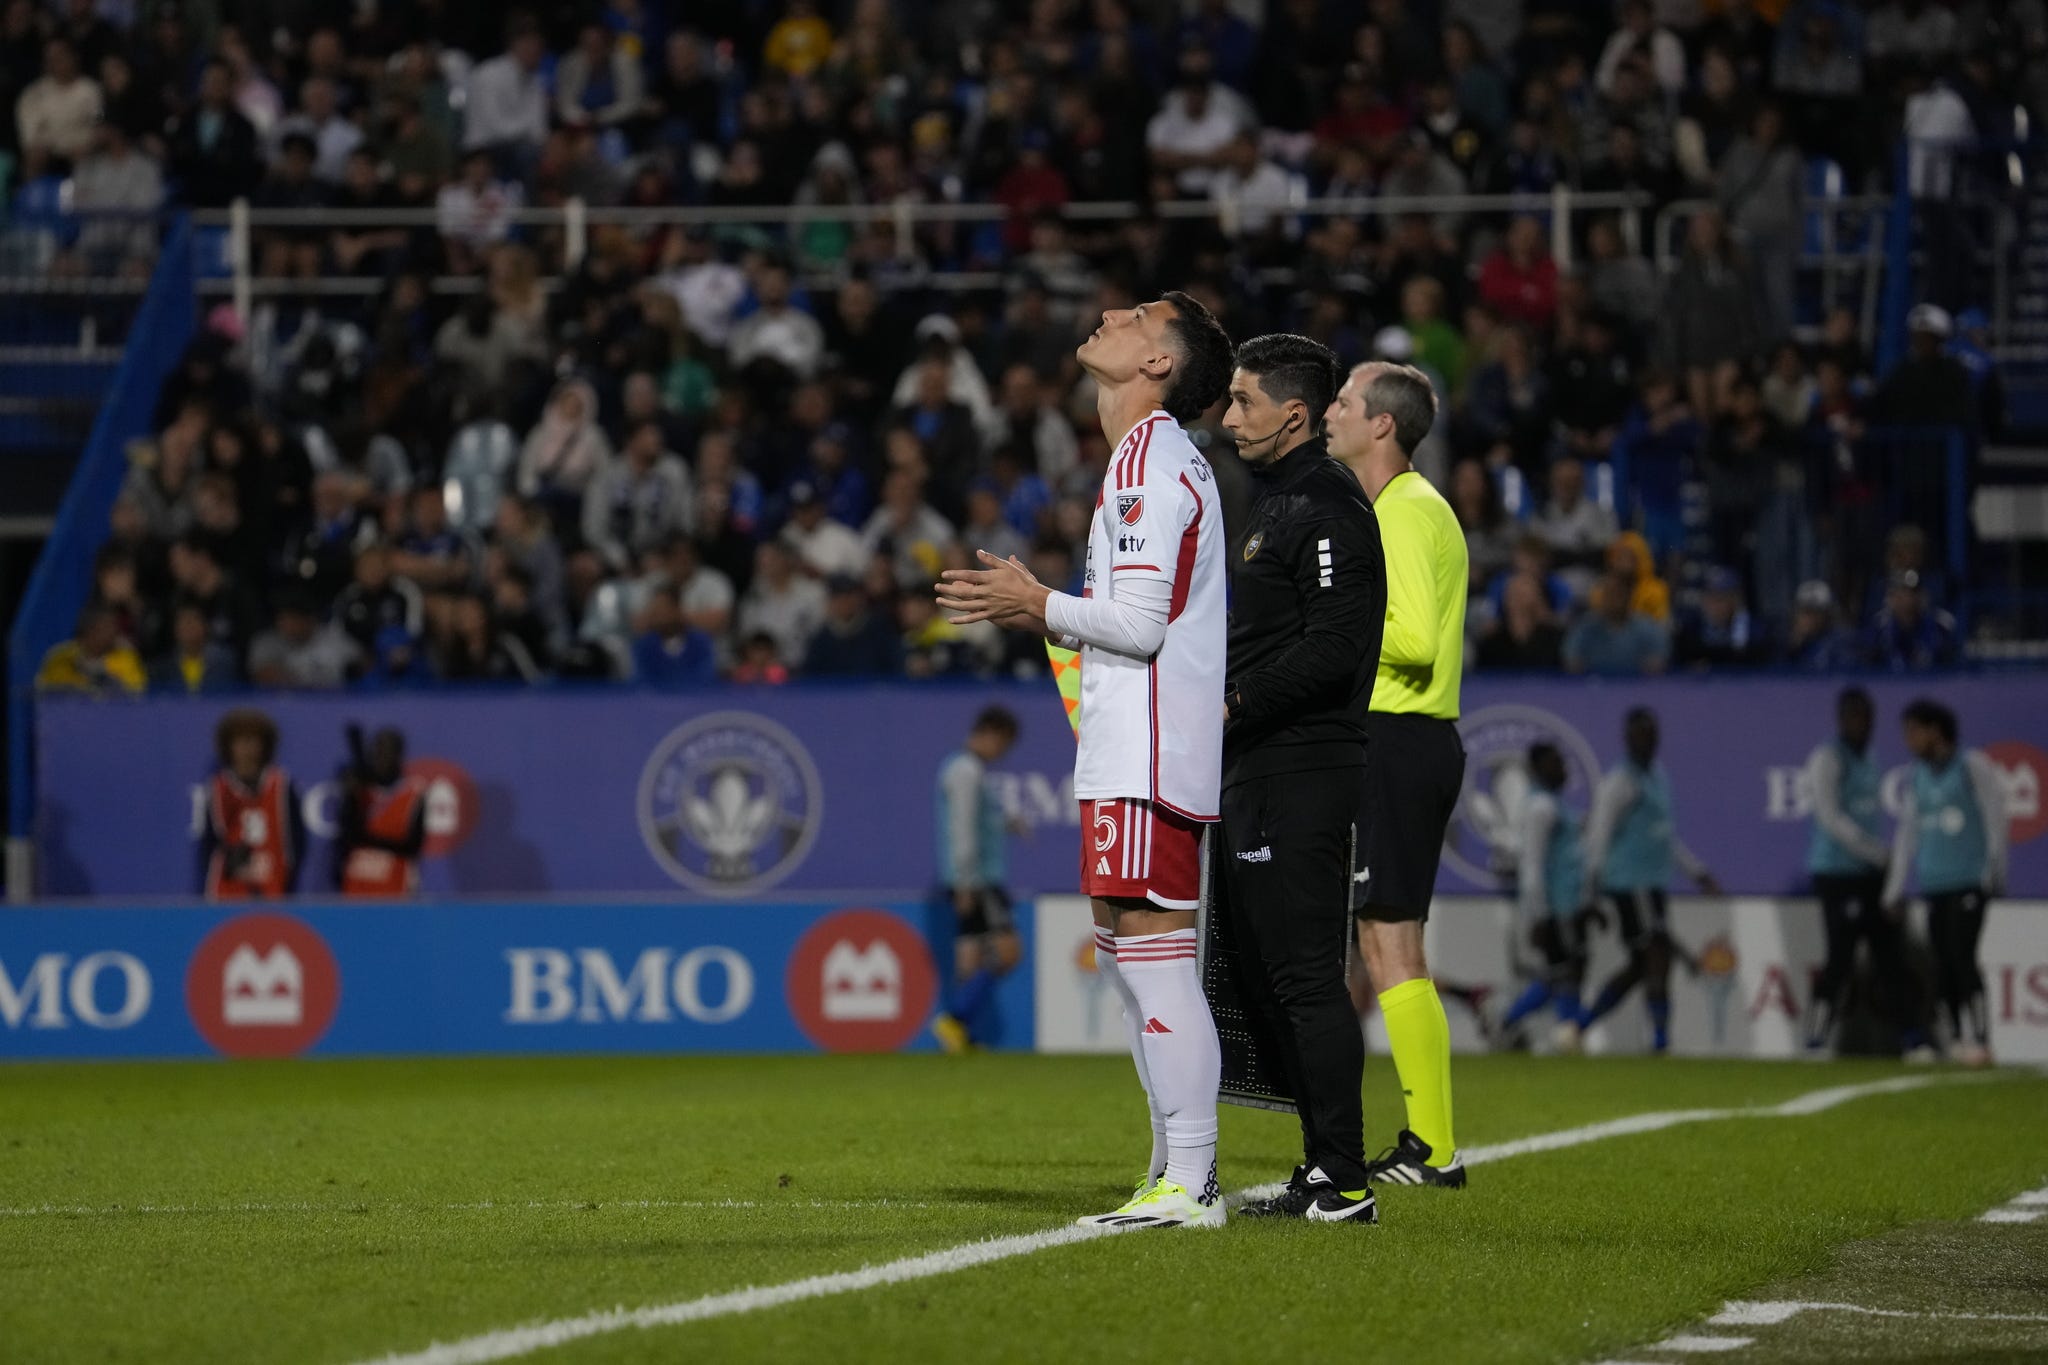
{"points": [[1293, 420]]}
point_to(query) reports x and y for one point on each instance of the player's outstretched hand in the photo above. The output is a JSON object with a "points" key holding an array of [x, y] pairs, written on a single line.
{"points": [[1004, 592], [1710, 884]]}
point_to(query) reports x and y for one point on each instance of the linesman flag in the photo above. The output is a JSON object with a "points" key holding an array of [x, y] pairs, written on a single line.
{"points": [[1066, 674]]}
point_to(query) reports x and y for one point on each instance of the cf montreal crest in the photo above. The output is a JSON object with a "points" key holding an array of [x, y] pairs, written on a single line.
{"points": [[729, 803], [1130, 508]]}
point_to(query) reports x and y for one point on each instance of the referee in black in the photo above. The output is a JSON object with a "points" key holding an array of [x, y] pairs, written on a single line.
{"points": [[1414, 760], [1308, 598]]}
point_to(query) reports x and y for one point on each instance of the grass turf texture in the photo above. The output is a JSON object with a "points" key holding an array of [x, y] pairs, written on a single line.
{"points": [[1566, 1255]]}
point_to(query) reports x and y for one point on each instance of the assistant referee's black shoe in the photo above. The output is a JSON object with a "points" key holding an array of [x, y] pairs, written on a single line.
{"points": [[1407, 1163], [1328, 1204], [1291, 1202]]}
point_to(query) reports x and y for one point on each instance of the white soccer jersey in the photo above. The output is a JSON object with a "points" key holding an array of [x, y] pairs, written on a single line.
{"points": [[1152, 728]]}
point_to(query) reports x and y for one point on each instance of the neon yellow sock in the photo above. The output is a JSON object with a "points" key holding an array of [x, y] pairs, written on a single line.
{"points": [[1420, 1037]]}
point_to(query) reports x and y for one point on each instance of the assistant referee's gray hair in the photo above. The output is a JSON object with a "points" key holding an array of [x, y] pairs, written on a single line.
{"points": [[1405, 394]]}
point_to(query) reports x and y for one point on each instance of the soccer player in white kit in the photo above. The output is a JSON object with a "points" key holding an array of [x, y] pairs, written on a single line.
{"points": [[1150, 624]]}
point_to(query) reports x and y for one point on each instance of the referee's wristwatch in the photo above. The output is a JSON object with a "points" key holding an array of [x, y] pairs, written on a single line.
{"points": [[1233, 702]]}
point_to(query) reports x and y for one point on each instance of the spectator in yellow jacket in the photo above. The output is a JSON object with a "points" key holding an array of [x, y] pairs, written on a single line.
{"points": [[97, 660]]}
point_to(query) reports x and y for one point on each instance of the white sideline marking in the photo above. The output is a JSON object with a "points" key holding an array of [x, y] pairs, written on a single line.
{"points": [[2021, 1208], [1737, 1313], [595, 1205], [1799, 1106], [518, 1341], [1702, 1345], [1740, 1313]]}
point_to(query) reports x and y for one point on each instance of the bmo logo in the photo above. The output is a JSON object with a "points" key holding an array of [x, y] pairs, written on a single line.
{"points": [[262, 985], [861, 981], [451, 803], [104, 990], [2025, 769], [707, 985]]}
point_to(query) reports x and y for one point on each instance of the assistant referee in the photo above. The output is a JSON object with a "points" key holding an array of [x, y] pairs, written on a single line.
{"points": [[1308, 595], [1414, 760]]}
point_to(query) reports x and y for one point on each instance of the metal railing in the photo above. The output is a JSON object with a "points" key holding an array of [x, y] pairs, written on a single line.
{"points": [[574, 221], [1841, 238]]}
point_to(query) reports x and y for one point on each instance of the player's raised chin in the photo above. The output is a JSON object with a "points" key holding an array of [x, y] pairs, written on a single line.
{"points": [[1129, 343]]}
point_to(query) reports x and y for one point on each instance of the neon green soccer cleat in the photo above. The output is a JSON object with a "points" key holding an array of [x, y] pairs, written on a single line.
{"points": [[1163, 1205]]}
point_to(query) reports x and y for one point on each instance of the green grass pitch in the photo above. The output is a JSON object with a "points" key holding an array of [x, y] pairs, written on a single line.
{"points": [[340, 1211]]}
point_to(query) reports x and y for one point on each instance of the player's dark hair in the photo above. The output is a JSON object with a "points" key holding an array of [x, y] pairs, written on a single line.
{"points": [[1853, 696], [998, 720], [1405, 394], [1201, 370], [1293, 368], [244, 721], [1936, 717], [1639, 714], [1543, 753]]}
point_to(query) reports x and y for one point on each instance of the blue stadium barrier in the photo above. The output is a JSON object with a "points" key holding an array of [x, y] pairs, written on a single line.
{"points": [[63, 576], [1897, 299], [334, 980]]}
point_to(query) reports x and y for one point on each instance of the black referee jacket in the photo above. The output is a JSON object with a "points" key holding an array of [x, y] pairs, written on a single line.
{"points": [[1308, 600]]}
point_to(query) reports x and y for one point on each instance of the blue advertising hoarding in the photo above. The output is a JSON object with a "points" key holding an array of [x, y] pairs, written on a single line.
{"points": [[333, 979], [824, 792]]}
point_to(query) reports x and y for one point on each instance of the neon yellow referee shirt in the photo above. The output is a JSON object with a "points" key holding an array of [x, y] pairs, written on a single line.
{"points": [[1422, 654]]}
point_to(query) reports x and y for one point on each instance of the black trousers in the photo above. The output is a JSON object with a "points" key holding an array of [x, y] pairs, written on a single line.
{"points": [[1284, 886], [1852, 912], [1955, 922]]}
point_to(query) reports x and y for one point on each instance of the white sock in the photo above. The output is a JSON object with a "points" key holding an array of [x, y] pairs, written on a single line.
{"points": [[1134, 1023], [1181, 1052]]}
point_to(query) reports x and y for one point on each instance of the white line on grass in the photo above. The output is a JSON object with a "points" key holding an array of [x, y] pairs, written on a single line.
{"points": [[1799, 1106], [518, 1341], [1740, 1313], [123, 1210], [2030, 1207], [1686, 1345]]}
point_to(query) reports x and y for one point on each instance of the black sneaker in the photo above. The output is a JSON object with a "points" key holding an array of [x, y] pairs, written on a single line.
{"points": [[1291, 1202], [1332, 1205], [1407, 1163]]}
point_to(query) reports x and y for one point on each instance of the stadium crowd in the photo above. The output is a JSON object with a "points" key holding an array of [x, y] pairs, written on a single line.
{"points": [[747, 451]]}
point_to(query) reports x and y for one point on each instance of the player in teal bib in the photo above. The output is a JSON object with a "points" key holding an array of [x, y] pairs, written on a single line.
{"points": [[1952, 840], [1631, 848], [971, 833], [1550, 882], [1846, 858]]}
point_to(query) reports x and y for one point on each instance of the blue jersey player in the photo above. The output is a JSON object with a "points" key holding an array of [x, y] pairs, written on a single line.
{"points": [[1846, 856], [1549, 885], [1632, 845], [973, 866], [1951, 839]]}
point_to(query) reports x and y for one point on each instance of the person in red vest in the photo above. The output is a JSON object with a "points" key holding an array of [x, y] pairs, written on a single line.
{"points": [[383, 820], [252, 837]]}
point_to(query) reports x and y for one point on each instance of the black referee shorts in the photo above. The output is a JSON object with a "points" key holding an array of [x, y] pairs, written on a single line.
{"points": [[1414, 769]]}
